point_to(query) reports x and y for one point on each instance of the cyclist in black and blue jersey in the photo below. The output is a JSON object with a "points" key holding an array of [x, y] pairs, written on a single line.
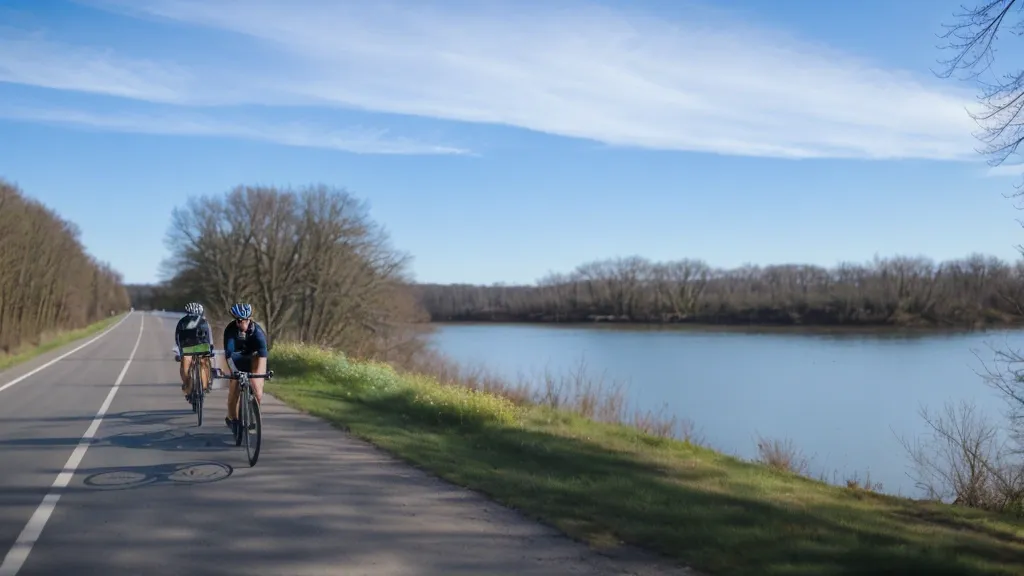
{"points": [[192, 334], [245, 350]]}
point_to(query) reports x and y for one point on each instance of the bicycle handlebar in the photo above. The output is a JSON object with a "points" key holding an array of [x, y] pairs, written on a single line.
{"points": [[250, 375]]}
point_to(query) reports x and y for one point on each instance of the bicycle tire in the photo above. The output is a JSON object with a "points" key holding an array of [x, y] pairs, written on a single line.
{"points": [[197, 390], [254, 442], [199, 406], [191, 384]]}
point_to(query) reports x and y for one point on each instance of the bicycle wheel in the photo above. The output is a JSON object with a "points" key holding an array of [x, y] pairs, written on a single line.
{"points": [[254, 438], [192, 387], [199, 405], [197, 390]]}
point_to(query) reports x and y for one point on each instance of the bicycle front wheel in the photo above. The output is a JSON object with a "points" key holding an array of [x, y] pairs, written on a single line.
{"points": [[254, 437]]}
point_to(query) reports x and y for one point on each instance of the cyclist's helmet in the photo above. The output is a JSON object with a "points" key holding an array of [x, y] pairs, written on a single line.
{"points": [[241, 311], [194, 309]]}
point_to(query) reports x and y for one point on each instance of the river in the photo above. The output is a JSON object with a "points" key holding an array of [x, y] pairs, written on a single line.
{"points": [[842, 398]]}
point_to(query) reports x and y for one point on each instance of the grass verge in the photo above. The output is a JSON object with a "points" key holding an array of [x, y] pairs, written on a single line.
{"points": [[49, 342], [607, 483]]}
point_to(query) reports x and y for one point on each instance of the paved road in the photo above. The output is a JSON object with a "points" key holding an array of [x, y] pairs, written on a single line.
{"points": [[147, 492]]}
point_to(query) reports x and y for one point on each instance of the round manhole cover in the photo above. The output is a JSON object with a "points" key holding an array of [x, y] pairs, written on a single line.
{"points": [[200, 473], [118, 478]]}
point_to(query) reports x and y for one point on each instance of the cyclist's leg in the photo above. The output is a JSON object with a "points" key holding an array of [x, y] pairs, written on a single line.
{"points": [[206, 372], [186, 384], [259, 366], [233, 391]]}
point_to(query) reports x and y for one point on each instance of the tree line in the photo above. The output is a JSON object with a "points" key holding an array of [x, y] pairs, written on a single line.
{"points": [[901, 290], [48, 282], [313, 264]]}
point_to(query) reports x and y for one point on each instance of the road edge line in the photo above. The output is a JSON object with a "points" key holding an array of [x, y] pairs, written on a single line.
{"points": [[22, 547]]}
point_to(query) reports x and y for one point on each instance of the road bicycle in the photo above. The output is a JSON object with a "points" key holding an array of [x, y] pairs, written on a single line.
{"points": [[198, 394], [250, 425]]}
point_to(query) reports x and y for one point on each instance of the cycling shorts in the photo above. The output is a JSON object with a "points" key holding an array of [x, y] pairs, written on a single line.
{"points": [[242, 363]]}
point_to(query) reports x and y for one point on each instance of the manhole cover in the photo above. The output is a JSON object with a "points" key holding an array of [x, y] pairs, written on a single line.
{"points": [[118, 478], [200, 473]]}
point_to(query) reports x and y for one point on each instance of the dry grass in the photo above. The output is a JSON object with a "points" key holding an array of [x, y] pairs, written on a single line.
{"points": [[577, 392], [781, 455]]}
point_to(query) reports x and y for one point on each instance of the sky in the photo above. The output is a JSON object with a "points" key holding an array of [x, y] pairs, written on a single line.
{"points": [[498, 141]]}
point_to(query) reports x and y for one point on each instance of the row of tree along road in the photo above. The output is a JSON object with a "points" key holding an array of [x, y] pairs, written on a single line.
{"points": [[48, 282]]}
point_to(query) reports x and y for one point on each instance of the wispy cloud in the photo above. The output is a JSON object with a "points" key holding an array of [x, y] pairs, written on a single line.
{"points": [[621, 78], [35, 60], [356, 140]]}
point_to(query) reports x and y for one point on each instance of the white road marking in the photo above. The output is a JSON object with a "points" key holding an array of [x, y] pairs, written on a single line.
{"points": [[62, 356], [19, 552]]}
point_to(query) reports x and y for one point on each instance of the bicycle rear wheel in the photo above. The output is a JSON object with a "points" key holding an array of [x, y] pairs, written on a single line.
{"points": [[254, 437], [199, 405], [197, 390]]}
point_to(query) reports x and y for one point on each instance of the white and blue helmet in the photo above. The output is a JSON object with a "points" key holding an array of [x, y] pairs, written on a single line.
{"points": [[241, 311]]}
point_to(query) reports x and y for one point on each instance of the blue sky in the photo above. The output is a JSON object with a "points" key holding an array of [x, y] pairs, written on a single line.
{"points": [[498, 141]]}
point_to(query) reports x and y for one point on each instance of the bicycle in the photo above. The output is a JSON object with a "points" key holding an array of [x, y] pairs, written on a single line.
{"points": [[249, 415], [198, 390]]}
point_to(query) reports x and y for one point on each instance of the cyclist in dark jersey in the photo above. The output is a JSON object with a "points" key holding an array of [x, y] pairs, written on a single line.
{"points": [[245, 350], [193, 334]]}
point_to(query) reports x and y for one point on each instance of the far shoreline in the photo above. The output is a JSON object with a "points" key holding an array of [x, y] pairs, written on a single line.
{"points": [[735, 328]]}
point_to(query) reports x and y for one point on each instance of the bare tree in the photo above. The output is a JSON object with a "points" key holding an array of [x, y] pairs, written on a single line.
{"points": [[312, 262], [971, 38], [966, 459]]}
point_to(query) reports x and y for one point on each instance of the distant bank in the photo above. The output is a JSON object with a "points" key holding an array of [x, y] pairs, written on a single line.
{"points": [[973, 292]]}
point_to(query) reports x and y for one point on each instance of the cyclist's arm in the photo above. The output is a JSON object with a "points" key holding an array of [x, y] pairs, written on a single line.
{"points": [[261, 342], [209, 335], [229, 344], [177, 335]]}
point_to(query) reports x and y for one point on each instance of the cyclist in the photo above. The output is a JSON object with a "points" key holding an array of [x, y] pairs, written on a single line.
{"points": [[191, 335], [245, 350]]}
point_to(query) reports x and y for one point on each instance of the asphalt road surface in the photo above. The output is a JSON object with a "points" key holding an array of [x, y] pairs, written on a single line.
{"points": [[104, 471]]}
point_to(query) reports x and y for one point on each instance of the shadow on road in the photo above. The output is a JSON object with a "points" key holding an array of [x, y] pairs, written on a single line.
{"points": [[131, 477], [140, 417], [213, 436], [172, 439]]}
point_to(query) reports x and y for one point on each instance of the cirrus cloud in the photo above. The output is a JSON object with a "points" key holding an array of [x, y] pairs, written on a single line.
{"points": [[622, 78]]}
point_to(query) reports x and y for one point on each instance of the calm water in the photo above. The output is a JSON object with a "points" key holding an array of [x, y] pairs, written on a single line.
{"points": [[842, 399]]}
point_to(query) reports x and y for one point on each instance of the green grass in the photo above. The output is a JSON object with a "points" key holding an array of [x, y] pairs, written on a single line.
{"points": [[53, 341], [606, 484]]}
